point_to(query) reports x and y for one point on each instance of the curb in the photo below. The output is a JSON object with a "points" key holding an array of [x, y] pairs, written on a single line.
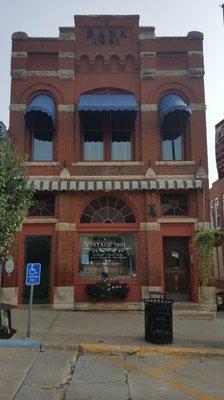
{"points": [[108, 349], [20, 344], [113, 349]]}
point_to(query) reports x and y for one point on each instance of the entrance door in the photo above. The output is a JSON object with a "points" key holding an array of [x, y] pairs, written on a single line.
{"points": [[38, 250], [176, 266]]}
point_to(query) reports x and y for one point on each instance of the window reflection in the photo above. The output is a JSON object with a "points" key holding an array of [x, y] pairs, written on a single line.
{"points": [[107, 253]]}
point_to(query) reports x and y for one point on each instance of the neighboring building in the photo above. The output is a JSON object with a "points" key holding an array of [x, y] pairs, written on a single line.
{"points": [[217, 204], [3, 130], [112, 119]]}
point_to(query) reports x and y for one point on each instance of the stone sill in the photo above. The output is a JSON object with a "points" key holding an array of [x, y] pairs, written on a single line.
{"points": [[175, 163], [108, 163], [177, 220], [43, 163], [42, 220]]}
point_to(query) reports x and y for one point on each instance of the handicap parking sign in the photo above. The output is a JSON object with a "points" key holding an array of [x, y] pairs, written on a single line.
{"points": [[33, 271]]}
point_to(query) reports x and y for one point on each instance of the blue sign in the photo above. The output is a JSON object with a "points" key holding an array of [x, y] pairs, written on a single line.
{"points": [[33, 272]]}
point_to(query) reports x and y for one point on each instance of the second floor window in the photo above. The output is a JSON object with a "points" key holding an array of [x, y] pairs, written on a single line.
{"points": [[40, 122], [107, 135], [174, 115]]}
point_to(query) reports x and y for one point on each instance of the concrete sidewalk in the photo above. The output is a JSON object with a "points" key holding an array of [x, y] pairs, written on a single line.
{"points": [[69, 329]]}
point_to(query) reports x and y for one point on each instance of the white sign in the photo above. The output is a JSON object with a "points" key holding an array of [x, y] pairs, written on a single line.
{"points": [[9, 266]]}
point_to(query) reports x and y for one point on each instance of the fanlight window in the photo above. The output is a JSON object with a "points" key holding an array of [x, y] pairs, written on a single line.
{"points": [[107, 210]]}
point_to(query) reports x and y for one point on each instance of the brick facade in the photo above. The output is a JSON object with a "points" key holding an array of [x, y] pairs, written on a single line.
{"points": [[112, 52]]}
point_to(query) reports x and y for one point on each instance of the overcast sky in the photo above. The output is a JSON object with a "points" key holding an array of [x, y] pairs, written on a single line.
{"points": [[170, 17]]}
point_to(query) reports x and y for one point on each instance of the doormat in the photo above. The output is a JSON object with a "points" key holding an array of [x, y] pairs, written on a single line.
{"points": [[7, 333]]}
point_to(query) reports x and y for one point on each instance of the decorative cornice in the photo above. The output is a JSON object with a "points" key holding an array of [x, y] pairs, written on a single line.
{"points": [[149, 107]]}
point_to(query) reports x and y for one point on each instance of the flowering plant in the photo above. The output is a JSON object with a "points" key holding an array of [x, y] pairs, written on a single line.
{"points": [[107, 290]]}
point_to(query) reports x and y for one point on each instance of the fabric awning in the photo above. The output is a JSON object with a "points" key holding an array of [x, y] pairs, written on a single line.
{"points": [[107, 102], [113, 185], [170, 103], [42, 107]]}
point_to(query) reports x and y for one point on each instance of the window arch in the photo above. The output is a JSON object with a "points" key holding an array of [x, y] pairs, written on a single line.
{"points": [[174, 114], [40, 115], [107, 209]]}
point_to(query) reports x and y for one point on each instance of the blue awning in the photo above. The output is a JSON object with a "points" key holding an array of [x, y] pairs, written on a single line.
{"points": [[107, 102], [171, 103], [42, 105]]}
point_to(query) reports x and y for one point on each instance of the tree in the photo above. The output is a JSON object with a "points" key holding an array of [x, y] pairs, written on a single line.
{"points": [[15, 195]]}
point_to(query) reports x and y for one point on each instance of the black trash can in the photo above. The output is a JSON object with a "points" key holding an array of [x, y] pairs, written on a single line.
{"points": [[158, 319]]}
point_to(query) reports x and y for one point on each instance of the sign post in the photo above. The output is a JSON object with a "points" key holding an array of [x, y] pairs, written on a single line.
{"points": [[33, 271]]}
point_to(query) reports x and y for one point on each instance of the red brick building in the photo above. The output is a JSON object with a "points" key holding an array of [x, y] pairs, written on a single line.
{"points": [[217, 204], [112, 119]]}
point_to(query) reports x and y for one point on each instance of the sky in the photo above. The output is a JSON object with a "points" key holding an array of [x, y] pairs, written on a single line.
{"points": [[170, 18]]}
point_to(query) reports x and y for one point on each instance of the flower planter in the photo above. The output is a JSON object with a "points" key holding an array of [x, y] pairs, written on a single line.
{"points": [[107, 291]]}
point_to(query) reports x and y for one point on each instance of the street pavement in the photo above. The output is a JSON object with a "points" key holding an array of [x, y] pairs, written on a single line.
{"points": [[103, 355], [68, 375]]}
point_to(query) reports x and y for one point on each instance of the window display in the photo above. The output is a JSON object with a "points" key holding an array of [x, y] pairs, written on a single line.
{"points": [[107, 255]]}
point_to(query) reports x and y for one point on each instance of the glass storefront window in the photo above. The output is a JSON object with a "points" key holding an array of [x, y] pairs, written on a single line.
{"points": [[107, 255]]}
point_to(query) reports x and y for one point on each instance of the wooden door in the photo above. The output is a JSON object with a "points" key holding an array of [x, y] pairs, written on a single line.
{"points": [[176, 267]]}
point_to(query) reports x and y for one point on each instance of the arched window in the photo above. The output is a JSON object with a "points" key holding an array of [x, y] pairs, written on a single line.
{"points": [[109, 210], [174, 115], [40, 122]]}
